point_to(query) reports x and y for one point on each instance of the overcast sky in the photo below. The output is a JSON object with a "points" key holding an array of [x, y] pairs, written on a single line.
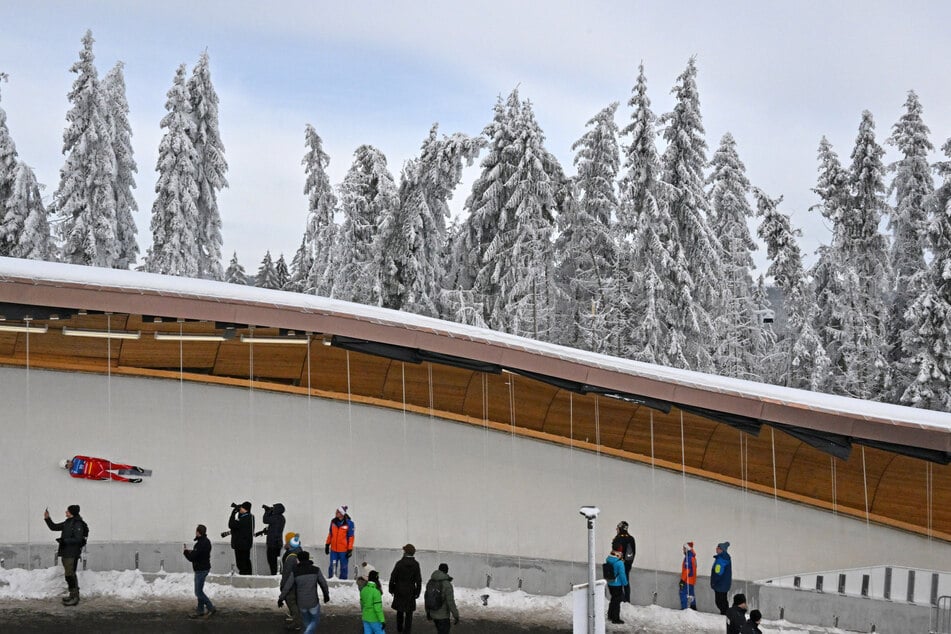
{"points": [[776, 75]]}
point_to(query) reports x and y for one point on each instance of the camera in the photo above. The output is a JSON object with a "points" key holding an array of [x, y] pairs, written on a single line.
{"points": [[225, 533], [233, 505], [590, 512], [265, 507]]}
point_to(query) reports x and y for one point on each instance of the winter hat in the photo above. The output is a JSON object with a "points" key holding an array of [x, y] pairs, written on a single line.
{"points": [[294, 541], [444, 568], [342, 509], [622, 526], [739, 599], [723, 546], [246, 505], [367, 569], [373, 576], [288, 536], [304, 555], [73, 509], [688, 545], [756, 616], [409, 549]]}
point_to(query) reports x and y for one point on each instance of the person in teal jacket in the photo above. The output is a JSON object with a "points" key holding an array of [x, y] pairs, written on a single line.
{"points": [[616, 585], [371, 603]]}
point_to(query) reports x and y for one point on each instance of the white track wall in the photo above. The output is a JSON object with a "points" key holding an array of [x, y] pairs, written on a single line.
{"points": [[443, 486]]}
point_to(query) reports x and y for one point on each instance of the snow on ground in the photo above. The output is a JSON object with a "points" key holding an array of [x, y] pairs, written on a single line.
{"points": [[132, 586]]}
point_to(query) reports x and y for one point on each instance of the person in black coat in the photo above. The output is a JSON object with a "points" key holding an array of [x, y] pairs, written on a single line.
{"points": [[752, 626], [274, 518], [200, 556], [624, 543], [736, 615], [241, 526], [406, 582], [71, 541]]}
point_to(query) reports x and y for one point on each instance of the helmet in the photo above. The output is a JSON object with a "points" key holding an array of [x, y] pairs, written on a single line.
{"points": [[622, 526], [65, 463]]}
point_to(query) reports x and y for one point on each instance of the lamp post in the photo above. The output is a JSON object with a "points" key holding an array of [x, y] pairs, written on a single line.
{"points": [[591, 514]]}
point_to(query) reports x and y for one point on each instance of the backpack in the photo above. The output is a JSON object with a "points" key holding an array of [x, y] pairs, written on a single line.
{"points": [[607, 569], [433, 598], [629, 553]]}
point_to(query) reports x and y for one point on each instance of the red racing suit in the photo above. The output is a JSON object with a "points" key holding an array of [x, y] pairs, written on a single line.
{"points": [[96, 469]]}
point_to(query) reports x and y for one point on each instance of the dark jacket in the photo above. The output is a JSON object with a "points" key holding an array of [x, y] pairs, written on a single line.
{"points": [[289, 563], [73, 536], [625, 544], [406, 582], [721, 575], [448, 606], [274, 518], [735, 620], [751, 628], [304, 581], [200, 555], [242, 530]]}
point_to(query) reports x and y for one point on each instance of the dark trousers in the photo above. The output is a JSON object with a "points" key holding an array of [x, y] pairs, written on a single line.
{"points": [[404, 621], [442, 626], [627, 588], [272, 553], [242, 559], [614, 606], [69, 571], [291, 603], [723, 604]]}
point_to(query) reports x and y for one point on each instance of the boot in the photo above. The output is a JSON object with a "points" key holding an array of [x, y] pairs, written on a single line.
{"points": [[73, 598]]}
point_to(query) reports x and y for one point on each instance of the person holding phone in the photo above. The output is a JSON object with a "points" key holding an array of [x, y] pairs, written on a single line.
{"points": [[200, 556]]}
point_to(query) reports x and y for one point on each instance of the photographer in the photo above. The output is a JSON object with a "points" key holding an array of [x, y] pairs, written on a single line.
{"points": [[274, 518], [241, 527]]}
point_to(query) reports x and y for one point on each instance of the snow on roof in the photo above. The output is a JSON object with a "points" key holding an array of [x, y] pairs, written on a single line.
{"points": [[68, 275]]}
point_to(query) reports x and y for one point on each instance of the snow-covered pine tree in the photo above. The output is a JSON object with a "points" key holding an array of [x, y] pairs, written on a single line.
{"points": [[24, 223], [211, 168], [930, 313], [737, 322], [300, 267], [320, 234], [368, 195], [586, 247], [85, 201], [282, 276], [267, 273], [913, 187], [174, 249], [8, 174], [117, 118], [235, 273], [647, 293], [763, 344], [863, 261], [413, 240]]}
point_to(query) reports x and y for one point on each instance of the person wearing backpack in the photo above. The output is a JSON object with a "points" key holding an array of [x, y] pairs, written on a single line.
{"points": [[406, 582], [439, 600], [73, 537], [614, 564], [624, 543]]}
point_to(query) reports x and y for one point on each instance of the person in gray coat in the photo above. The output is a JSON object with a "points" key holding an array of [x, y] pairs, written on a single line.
{"points": [[304, 583], [440, 616]]}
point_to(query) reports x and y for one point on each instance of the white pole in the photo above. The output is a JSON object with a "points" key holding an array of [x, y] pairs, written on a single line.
{"points": [[591, 575]]}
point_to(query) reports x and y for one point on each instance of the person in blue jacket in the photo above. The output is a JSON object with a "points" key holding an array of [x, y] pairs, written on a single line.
{"points": [[721, 577], [616, 585]]}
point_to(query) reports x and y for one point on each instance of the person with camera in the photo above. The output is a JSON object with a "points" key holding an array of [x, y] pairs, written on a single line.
{"points": [[304, 583], [200, 556], [274, 518], [73, 536], [241, 529]]}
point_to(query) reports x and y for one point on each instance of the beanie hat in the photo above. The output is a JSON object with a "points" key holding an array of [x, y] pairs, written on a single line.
{"points": [[409, 549], [287, 536], [342, 509], [723, 546], [304, 555], [688, 545], [739, 598], [444, 568], [73, 509], [622, 526], [756, 616], [295, 541], [246, 505]]}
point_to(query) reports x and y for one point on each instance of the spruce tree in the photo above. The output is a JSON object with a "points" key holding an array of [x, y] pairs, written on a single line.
{"points": [[684, 161], [913, 187], [320, 235], [24, 222], [282, 276], [85, 201], [929, 337], [737, 321], [267, 274], [300, 267], [9, 164], [117, 113], [174, 249], [587, 248], [235, 273], [211, 168]]}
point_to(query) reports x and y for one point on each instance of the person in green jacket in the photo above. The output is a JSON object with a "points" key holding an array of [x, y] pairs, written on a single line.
{"points": [[440, 615], [371, 602]]}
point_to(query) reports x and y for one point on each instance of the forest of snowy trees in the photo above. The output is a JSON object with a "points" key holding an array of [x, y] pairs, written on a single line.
{"points": [[645, 253]]}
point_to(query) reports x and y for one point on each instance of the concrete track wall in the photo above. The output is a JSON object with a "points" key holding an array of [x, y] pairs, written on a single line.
{"points": [[446, 487]]}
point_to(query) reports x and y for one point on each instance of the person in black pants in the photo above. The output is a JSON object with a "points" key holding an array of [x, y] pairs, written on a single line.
{"points": [[624, 543], [274, 518], [406, 582], [241, 527]]}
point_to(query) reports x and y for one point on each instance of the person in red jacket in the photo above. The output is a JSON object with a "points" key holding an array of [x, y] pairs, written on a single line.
{"points": [[98, 469], [688, 578], [339, 544]]}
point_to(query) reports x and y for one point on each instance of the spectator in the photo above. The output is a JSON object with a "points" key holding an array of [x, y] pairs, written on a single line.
{"points": [[292, 551], [200, 556], [71, 541], [440, 615], [736, 616], [625, 544], [274, 519], [241, 528], [721, 577], [752, 626], [406, 582], [305, 581], [688, 578], [616, 585], [339, 543], [371, 603]]}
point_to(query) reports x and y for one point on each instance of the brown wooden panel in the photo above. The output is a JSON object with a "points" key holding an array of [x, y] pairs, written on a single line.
{"points": [[56, 344], [147, 352], [8, 343]]}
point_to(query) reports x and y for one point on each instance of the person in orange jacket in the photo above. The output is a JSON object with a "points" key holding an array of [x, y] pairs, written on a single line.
{"points": [[339, 543], [688, 578]]}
